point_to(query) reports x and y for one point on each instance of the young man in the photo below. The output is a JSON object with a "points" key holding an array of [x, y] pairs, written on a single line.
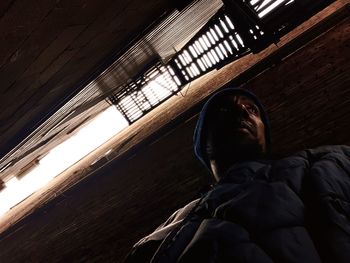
{"points": [[296, 209]]}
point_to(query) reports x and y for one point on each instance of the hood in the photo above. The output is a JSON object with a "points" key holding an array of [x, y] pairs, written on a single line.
{"points": [[200, 127]]}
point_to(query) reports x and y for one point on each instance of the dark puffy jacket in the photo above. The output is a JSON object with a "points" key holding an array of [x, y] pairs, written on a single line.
{"points": [[296, 209]]}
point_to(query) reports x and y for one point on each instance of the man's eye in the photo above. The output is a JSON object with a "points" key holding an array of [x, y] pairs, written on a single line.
{"points": [[253, 109], [223, 110]]}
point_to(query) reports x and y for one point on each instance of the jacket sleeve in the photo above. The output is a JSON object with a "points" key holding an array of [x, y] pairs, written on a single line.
{"points": [[144, 250], [328, 202]]}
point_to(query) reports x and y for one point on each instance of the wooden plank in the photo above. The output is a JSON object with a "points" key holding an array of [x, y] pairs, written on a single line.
{"points": [[5, 5], [20, 19], [27, 85], [57, 46]]}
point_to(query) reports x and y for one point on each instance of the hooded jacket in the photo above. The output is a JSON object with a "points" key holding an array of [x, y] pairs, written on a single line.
{"points": [[198, 138], [296, 209]]}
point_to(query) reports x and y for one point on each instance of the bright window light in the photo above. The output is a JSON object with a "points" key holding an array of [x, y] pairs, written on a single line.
{"points": [[189, 72], [204, 62], [207, 60], [217, 49], [228, 47], [201, 65], [182, 60], [253, 2], [206, 41], [229, 22], [178, 64], [263, 4], [187, 55], [223, 49], [214, 34], [234, 43], [94, 134], [239, 39], [270, 8], [193, 52], [178, 82], [219, 31], [202, 42], [211, 38], [215, 55], [224, 26]]}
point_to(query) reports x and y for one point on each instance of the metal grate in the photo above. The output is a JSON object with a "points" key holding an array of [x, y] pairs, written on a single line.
{"points": [[239, 28], [277, 17], [215, 45], [146, 92], [265, 7]]}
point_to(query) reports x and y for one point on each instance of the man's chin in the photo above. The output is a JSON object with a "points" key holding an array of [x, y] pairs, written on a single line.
{"points": [[243, 134], [245, 143]]}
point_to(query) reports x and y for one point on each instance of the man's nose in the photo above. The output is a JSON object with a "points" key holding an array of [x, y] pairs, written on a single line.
{"points": [[241, 109]]}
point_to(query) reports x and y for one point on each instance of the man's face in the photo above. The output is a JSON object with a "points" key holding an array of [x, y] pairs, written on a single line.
{"points": [[235, 121]]}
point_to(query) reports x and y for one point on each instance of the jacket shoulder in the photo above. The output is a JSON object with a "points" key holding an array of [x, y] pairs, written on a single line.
{"points": [[320, 151]]}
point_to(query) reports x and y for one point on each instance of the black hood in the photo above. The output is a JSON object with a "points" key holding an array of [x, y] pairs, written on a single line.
{"points": [[201, 123]]}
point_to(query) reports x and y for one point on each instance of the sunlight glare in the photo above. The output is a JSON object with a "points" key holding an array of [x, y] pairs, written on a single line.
{"points": [[88, 138]]}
